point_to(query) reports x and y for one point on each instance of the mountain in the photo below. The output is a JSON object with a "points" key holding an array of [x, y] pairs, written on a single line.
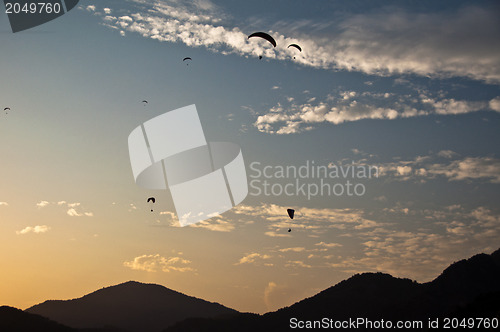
{"points": [[16, 320], [468, 288], [130, 306]]}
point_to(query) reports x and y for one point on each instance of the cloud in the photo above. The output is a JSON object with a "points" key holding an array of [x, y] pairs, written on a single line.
{"points": [[36, 229], [4, 204], [495, 104], [328, 245], [385, 42], [423, 168], [73, 213], [393, 41], [296, 264], [42, 204], [295, 249], [280, 295], [155, 263], [216, 224], [252, 258], [90, 8], [351, 106]]}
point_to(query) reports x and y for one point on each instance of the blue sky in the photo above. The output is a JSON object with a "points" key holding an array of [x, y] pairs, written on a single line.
{"points": [[411, 88]]}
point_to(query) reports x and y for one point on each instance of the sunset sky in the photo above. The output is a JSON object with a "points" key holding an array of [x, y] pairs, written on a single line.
{"points": [[409, 88]]}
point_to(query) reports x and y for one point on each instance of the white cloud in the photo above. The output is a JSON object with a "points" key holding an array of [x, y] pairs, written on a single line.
{"points": [[423, 168], [217, 224], [384, 42], [294, 249], [252, 258], [297, 118], [42, 204], [297, 264], [106, 10], [4, 204], [90, 8], [36, 229], [328, 245], [495, 104], [155, 263], [468, 169], [73, 213]]}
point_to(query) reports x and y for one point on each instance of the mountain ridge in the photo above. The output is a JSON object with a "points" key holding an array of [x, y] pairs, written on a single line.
{"points": [[466, 287], [131, 305]]}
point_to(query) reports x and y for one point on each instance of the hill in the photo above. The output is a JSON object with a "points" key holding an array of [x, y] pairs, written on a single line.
{"points": [[131, 306]]}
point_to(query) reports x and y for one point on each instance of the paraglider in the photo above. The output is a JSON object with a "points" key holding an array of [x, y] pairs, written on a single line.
{"points": [[290, 212], [296, 46], [187, 58], [151, 199], [6, 109], [144, 102], [265, 36]]}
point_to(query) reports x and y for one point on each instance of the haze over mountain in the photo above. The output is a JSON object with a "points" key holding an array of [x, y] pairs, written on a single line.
{"points": [[132, 306]]}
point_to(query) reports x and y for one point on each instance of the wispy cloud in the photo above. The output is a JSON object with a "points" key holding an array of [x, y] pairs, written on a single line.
{"points": [[155, 263], [42, 204], [349, 106], [72, 208], [459, 169], [384, 42], [216, 224], [36, 229], [253, 258]]}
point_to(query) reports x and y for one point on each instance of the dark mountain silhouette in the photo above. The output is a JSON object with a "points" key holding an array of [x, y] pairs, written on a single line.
{"points": [[16, 320], [468, 288], [130, 306]]}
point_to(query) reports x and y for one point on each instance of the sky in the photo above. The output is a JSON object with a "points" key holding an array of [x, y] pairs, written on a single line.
{"points": [[382, 134]]}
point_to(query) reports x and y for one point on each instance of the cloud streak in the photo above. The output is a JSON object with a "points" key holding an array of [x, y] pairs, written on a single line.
{"points": [[39, 229], [386, 42], [156, 263], [351, 106]]}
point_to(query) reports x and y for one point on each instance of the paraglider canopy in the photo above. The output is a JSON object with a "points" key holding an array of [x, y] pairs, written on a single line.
{"points": [[290, 212], [145, 101], [186, 58], [151, 199], [296, 46], [265, 36]]}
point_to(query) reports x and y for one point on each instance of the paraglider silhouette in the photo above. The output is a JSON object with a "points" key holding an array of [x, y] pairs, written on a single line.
{"points": [[290, 212], [296, 46], [144, 102], [6, 109], [265, 36], [151, 199], [187, 58]]}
